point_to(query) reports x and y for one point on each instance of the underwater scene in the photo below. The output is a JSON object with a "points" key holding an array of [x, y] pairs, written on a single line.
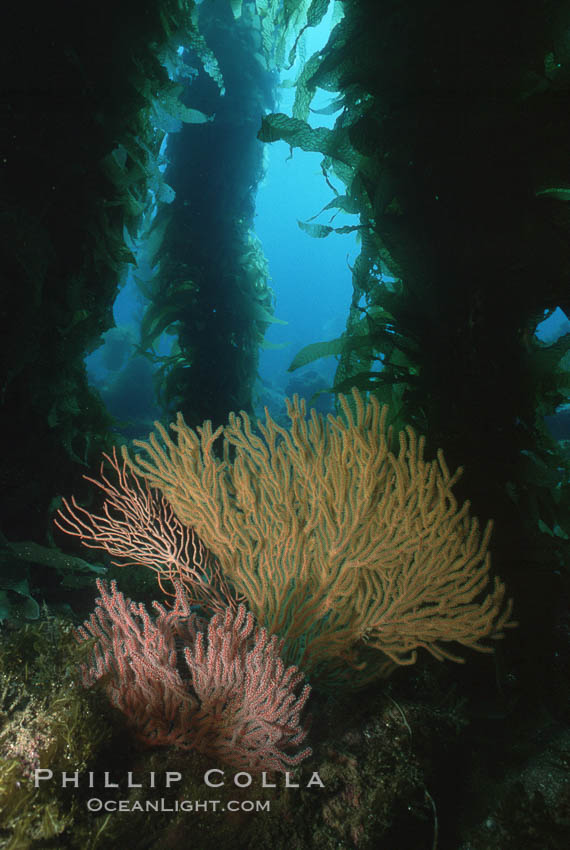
{"points": [[285, 414]]}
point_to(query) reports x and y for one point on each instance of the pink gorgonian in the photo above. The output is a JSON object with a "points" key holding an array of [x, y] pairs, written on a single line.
{"points": [[137, 526], [218, 687]]}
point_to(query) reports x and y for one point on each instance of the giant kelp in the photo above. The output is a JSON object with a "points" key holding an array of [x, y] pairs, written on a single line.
{"points": [[446, 146], [211, 287], [80, 88]]}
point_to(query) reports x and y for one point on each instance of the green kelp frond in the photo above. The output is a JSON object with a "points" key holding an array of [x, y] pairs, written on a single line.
{"points": [[316, 350], [297, 133], [320, 231]]}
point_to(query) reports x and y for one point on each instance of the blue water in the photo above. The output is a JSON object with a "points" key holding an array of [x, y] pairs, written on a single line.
{"points": [[310, 278], [555, 326]]}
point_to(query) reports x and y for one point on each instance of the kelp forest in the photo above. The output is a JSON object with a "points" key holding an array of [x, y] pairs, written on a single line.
{"points": [[241, 628]]}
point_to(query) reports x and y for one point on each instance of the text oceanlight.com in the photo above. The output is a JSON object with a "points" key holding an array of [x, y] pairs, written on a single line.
{"points": [[97, 805]]}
